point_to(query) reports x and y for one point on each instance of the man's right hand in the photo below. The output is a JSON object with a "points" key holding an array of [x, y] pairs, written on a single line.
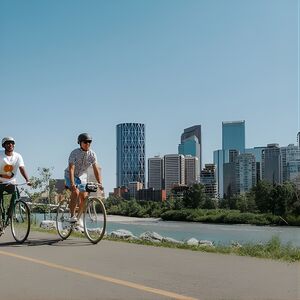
{"points": [[73, 188]]}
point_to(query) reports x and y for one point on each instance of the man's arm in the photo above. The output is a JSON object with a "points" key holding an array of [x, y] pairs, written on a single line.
{"points": [[72, 176], [24, 174], [97, 173]]}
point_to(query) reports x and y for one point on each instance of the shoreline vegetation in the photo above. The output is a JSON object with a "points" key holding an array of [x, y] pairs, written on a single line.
{"points": [[148, 209], [264, 204]]}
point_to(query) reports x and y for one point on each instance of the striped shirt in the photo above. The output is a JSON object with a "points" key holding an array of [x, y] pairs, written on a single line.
{"points": [[82, 160]]}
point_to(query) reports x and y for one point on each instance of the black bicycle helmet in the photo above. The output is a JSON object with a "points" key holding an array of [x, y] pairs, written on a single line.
{"points": [[7, 139], [84, 137]]}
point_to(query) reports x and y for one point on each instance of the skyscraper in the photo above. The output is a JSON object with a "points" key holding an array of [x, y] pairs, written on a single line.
{"points": [[130, 153], [271, 164], [191, 143], [288, 156], [190, 169], [233, 136], [209, 180], [245, 172], [156, 173], [174, 171]]}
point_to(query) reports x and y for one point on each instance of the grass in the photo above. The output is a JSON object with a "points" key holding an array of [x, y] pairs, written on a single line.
{"points": [[273, 249]]}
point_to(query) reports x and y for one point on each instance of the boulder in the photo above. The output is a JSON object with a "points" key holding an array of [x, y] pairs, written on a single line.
{"points": [[123, 234], [236, 244], [192, 242], [151, 237], [206, 243], [48, 224], [171, 240]]}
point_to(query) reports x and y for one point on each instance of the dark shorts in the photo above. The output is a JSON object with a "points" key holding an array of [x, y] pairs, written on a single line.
{"points": [[7, 188]]}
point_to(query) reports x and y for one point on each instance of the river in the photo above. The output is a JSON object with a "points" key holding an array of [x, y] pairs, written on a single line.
{"points": [[218, 233]]}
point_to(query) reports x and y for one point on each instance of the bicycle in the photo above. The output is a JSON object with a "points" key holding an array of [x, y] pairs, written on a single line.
{"points": [[94, 216], [17, 215]]}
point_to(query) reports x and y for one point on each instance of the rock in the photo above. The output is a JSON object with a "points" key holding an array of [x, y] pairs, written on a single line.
{"points": [[123, 234], [192, 242], [206, 243], [171, 240], [151, 237], [236, 244], [48, 224]]}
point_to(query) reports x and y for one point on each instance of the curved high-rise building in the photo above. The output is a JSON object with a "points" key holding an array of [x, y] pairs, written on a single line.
{"points": [[130, 153], [191, 144]]}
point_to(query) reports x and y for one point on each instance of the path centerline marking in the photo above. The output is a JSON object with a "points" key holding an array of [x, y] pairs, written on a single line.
{"points": [[101, 277]]}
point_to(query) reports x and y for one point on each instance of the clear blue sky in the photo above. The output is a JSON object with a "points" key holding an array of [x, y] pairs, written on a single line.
{"points": [[72, 66]]}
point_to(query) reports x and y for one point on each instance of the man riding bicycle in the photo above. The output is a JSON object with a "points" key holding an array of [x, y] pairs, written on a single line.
{"points": [[80, 160], [10, 163]]}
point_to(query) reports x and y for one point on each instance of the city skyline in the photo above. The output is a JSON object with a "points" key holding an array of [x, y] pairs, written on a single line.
{"points": [[69, 67]]}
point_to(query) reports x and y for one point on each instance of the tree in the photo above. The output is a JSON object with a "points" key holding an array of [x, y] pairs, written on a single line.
{"points": [[283, 197], [42, 186], [195, 196], [262, 195]]}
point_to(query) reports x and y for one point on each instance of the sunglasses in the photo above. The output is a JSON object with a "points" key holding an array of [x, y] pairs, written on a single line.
{"points": [[9, 142], [87, 142]]}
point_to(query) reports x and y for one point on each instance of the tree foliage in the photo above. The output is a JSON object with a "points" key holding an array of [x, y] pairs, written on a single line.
{"points": [[194, 197], [42, 185]]}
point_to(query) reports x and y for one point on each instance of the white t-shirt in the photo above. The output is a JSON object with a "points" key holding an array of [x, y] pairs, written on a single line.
{"points": [[9, 166]]}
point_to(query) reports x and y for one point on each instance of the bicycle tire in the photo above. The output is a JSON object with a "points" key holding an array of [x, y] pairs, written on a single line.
{"points": [[94, 220], [20, 221], [2, 220], [63, 214]]}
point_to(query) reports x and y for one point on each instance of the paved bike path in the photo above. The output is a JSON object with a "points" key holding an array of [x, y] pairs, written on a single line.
{"points": [[47, 268]]}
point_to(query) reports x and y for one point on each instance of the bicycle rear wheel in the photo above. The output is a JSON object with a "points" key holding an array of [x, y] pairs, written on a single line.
{"points": [[94, 220], [20, 221], [63, 215]]}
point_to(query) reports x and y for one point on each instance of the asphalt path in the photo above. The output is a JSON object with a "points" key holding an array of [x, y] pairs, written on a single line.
{"points": [[47, 268]]}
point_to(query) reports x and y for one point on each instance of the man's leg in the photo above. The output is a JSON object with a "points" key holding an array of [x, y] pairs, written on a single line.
{"points": [[73, 201], [10, 189], [74, 195], [82, 196]]}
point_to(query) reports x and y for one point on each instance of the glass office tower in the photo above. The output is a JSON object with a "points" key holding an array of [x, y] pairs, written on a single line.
{"points": [[191, 144], [130, 153], [233, 136]]}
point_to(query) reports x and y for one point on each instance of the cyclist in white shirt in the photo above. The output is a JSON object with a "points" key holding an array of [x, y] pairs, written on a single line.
{"points": [[10, 163]]}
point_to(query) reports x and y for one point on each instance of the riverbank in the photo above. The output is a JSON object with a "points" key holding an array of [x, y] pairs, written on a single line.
{"points": [[120, 219], [219, 234]]}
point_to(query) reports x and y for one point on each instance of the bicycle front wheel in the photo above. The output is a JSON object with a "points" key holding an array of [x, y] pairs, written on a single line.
{"points": [[94, 220], [20, 221], [63, 215]]}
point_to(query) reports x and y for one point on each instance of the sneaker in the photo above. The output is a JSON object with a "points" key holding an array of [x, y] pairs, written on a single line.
{"points": [[73, 219], [79, 228], [79, 223]]}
